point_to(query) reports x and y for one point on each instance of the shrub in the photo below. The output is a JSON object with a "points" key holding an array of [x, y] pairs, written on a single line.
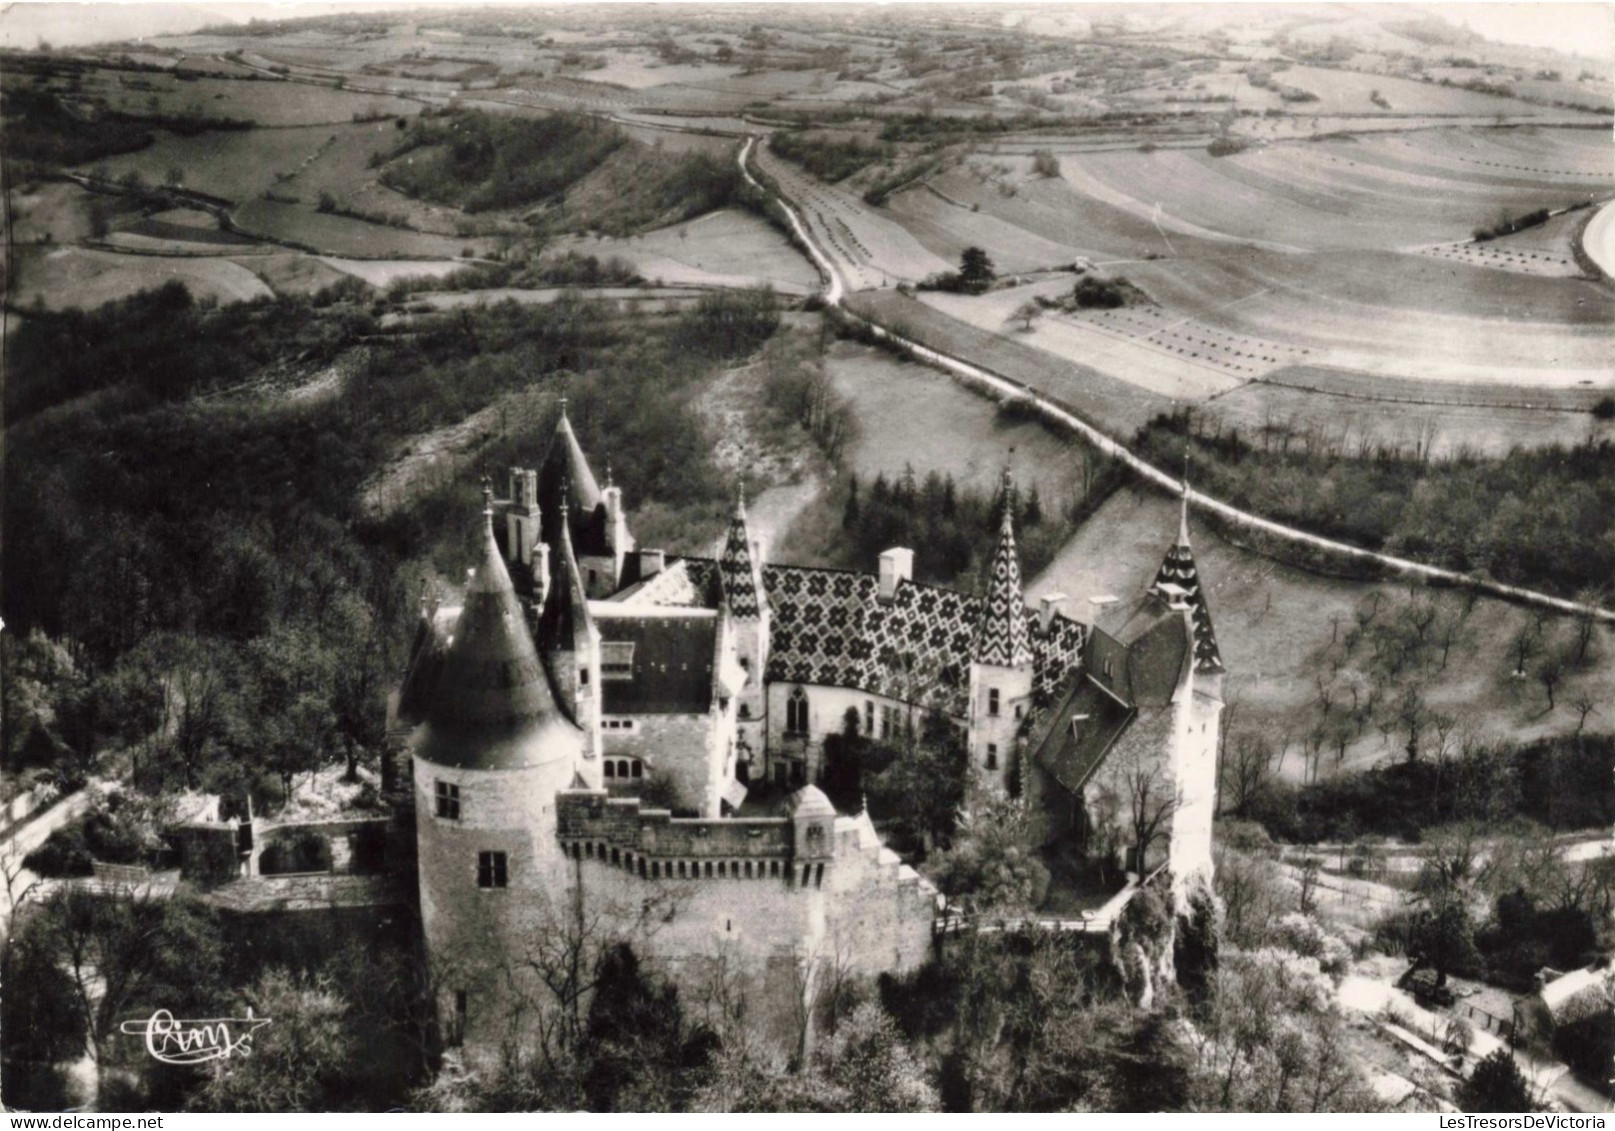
{"points": [[1604, 409], [1045, 164], [1227, 146]]}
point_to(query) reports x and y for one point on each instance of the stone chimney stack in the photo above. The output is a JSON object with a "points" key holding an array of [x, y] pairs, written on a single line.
{"points": [[1050, 604], [651, 563], [896, 566]]}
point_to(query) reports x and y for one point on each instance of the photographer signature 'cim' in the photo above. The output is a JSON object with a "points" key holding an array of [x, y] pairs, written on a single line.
{"points": [[175, 1041]]}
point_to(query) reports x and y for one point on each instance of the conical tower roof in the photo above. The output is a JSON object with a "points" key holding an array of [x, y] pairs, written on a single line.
{"points": [[1179, 578], [565, 478], [742, 579], [1002, 636], [491, 706], [564, 623]]}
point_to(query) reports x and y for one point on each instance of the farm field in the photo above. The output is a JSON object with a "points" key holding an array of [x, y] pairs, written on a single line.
{"points": [[1599, 239], [962, 436], [60, 277], [1545, 250], [1318, 196], [293, 273], [1116, 405], [729, 247], [385, 272], [234, 165], [946, 227], [342, 236], [340, 167], [51, 212], [1150, 362], [264, 102], [1273, 620], [871, 250], [1446, 429]]}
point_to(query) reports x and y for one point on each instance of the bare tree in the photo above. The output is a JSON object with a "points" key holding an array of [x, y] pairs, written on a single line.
{"points": [[1525, 645], [1550, 672], [1583, 705]]}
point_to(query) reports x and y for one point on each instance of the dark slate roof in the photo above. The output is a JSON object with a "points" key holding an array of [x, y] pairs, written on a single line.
{"points": [[564, 623], [1072, 755], [1178, 569], [1001, 636], [1141, 657], [490, 705], [673, 664], [565, 479]]}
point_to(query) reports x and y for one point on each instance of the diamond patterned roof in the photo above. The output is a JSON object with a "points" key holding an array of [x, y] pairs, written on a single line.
{"points": [[741, 584], [1001, 635], [831, 628], [1178, 569]]}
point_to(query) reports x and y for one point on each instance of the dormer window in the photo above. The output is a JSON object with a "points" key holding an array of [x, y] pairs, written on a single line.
{"points": [[616, 661]]}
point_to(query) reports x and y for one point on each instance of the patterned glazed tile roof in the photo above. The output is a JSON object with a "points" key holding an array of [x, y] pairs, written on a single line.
{"points": [[741, 584], [1001, 635], [1178, 569], [831, 628]]}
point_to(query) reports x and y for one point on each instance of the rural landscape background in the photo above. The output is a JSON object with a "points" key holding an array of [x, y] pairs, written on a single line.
{"points": [[279, 293]]}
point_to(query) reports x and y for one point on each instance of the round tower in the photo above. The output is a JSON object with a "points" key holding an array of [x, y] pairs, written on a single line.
{"points": [[492, 750]]}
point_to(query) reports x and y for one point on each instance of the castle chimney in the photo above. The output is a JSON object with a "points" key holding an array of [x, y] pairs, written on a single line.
{"points": [[541, 572], [896, 566], [651, 563], [1050, 604]]}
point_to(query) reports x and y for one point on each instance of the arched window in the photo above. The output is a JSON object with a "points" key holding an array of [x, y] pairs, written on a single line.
{"points": [[611, 768], [796, 712]]}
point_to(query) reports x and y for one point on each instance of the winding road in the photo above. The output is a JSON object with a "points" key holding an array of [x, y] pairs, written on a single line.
{"points": [[986, 379]]}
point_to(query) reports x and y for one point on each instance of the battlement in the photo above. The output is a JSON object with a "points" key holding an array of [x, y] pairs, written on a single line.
{"points": [[593, 825]]}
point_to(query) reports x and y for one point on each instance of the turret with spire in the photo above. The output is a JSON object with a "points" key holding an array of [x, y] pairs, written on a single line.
{"points": [[745, 602], [1177, 583], [1001, 668]]}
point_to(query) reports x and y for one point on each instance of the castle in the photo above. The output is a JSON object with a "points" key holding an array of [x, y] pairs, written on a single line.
{"points": [[586, 726]]}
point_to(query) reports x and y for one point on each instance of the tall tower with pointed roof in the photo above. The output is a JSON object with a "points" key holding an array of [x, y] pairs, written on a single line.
{"points": [[595, 517], [740, 572], [491, 749], [1001, 668], [1197, 721]]}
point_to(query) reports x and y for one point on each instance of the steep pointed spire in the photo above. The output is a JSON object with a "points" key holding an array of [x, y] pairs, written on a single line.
{"points": [[738, 567], [565, 474], [1002, 636], [491, 706], [564, 622], [1178, 580]]}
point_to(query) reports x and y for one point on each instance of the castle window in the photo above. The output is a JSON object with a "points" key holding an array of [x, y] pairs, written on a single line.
{"points": [[796, 712], [583, 677], [891, 722], [992, 756], [636, 769], [611, 768], [992, 701], [745, 710], [448, 801], [616, 661], [869, 717], [491, 870]]}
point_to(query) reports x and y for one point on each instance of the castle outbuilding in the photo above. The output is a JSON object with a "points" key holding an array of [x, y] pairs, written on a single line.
{"points": [[587, 726]]}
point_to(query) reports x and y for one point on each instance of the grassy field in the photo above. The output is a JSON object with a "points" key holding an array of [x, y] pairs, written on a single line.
{"points": [[74, 276], [871, 249], [730, 247], [1273, 622], [1103, 400], [235, 165], [293, 273], [267, 103], [963, 435], [340, 235]]}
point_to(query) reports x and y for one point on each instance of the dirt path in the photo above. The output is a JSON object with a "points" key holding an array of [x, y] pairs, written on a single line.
{"points": [[998, 385]]}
